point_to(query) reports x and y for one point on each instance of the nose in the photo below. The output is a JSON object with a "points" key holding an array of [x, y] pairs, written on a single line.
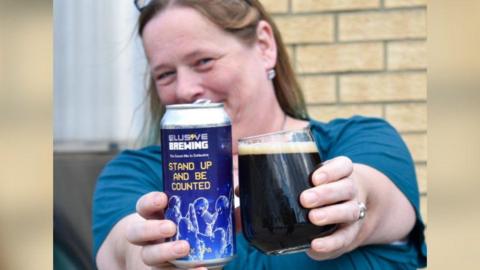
{"points": [[189, 86]]}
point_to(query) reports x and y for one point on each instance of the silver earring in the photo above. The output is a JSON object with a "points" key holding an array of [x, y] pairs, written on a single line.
{"points": [[271, 74]]}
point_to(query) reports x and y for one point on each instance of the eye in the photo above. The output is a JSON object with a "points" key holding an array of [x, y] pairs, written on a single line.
{"points": [[165, 77], [204, 63]]}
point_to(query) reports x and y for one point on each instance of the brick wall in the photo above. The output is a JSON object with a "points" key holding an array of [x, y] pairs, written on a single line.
{"points": [[363, 57]]}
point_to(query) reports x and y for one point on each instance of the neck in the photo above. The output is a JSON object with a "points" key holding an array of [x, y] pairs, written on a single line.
{"points": [[284, 123]]}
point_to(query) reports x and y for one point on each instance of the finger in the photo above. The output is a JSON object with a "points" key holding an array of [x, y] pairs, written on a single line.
{"points": [[140, 233], [332, 170], [160, 253], [334, 214], [334, 245], [343, 190], [152, 205]]}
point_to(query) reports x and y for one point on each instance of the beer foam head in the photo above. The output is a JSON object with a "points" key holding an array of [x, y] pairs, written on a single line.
{"points": [[276, 148]]}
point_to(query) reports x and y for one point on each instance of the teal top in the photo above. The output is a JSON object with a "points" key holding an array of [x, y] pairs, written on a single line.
{"points": [[369, 141]]}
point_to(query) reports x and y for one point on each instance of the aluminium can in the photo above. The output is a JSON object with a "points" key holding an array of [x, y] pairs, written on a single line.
{"points": [[196, 143]]}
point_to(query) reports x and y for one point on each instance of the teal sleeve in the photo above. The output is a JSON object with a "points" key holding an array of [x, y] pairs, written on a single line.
{"points": [[121, 183]]}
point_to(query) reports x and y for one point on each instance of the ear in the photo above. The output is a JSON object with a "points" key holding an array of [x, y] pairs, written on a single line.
{"points": [[266, 44]]}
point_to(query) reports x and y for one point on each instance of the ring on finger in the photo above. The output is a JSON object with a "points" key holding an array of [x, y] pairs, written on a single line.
{"points": [[362, 210]]}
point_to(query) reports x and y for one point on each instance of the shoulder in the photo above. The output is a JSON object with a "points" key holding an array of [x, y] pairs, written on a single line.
{"points": [[354, 123], [369, 141], [138, 169], [358, 131], [148, 158], [149, 153]]}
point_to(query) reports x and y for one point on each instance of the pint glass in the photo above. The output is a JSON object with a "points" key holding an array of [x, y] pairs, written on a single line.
{"points": [[273, 170]]}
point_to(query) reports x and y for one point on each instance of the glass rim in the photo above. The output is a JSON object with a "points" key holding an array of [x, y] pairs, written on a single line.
{"points": [[307, 128]]}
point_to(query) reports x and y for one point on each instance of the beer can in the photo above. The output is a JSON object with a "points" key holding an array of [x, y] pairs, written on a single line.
{"points": [[196, 143]]}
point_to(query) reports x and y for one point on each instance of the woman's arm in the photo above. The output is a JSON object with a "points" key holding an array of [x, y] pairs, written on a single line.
{"points": [[116, 252], [391, 216], [339, 186], [138, 240]]}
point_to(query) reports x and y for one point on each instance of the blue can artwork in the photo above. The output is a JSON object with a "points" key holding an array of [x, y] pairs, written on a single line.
{"points": [[198, 180]]}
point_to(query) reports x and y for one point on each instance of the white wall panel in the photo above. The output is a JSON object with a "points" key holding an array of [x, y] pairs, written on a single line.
{"points": [[99, 71]]}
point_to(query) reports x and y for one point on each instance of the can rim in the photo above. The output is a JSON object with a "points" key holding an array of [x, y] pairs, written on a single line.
{"points": [[176, 126], [194, 105]]}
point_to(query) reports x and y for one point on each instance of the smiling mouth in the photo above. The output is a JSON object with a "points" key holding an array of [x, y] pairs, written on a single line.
{"points": [[209, 100]]}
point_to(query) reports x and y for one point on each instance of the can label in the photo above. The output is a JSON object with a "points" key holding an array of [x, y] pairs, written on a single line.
{"points": [[197, 175]]}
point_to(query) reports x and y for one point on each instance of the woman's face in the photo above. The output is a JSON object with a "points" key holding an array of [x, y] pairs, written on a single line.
{"points": [[192, 58]]}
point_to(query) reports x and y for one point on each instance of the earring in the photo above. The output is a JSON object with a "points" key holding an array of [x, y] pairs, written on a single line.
{"points": [[271, 74]]}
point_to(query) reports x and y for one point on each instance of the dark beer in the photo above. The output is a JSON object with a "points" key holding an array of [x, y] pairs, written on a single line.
{"points": [[271, 178]]}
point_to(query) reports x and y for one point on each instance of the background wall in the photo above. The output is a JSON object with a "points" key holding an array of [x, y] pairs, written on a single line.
{"points": [[99, 69], [364, 57]]}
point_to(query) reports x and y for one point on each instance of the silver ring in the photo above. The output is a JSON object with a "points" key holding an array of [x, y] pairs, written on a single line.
{"points": [[362, 208]]}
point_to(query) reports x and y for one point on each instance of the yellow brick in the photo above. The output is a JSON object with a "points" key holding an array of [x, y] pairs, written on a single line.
{"points": [[340, 57], [407, 117], [290, 53], [318, 89], [421, 171], [306, 28], [383, 87], [417, 144], [329, 112], [382, 25], [331, 5], [407, 55], [275, 6], [424, 208], [404, 3]]}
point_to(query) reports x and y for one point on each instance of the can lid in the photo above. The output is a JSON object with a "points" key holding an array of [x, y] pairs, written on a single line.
{"points": [[199, 103]]}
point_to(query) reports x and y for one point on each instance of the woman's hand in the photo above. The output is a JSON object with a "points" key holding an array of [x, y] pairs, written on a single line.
{"points": [[334, 199], [151, 231]]}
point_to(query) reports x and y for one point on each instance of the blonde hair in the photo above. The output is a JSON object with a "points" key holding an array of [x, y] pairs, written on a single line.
{"points": [[239, 18]]}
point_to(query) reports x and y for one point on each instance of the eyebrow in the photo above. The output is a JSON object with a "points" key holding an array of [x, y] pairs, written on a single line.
{"points": [[193, 54]]}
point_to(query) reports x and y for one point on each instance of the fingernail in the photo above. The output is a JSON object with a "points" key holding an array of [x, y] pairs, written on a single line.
{"points": [[319, 216], [316, 244], [157, 200], [309, 197], [180, 248], [167, 229], [319, 178]]}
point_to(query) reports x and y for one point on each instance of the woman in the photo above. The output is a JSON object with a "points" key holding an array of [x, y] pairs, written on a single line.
{"points": [[231, 52]]}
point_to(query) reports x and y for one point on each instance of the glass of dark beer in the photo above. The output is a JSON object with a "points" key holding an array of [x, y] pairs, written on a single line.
{"points": [[273, 170]]}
